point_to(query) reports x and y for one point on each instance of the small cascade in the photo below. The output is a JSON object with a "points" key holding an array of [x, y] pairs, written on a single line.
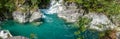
{"points": [[46, 17], [55, 6]]}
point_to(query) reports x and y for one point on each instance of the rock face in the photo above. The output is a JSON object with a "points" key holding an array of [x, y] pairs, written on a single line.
{"points": [[111, 34], [35, 16], [4, 34], [17, 37], [71, 13], [100, 22], [25, 17], [118, 35], [56, 6], [67, 11], [20, 17], [116, 20]]}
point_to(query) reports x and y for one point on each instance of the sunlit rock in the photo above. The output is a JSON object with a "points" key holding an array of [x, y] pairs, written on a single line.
{"points": [[5, 34], [17, 37], [115, 19], [25, 17], [71, 13], [20, 16], [118, 35], [35, 16], [56, 6], [100, 22], [67, 11]]}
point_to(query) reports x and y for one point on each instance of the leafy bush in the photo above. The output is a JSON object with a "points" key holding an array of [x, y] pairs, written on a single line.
{"points": [[8, 6], [82, 23], [107, 34], [32, 36], [108, 7]]}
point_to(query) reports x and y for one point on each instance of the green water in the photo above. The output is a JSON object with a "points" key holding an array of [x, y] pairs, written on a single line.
{"points": [[51, 28]]}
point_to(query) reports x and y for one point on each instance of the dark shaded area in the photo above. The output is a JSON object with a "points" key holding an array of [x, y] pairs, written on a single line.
{"points": [[109, 34], [44, 4], [6, 8]]}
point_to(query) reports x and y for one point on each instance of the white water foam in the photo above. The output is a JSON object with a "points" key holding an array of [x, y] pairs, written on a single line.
{"points": [[56, 6]]}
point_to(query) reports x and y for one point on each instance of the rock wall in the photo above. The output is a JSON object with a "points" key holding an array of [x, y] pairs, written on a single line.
{"points": [[99, 22], [22, 17], [5, 34], [71, 13]]}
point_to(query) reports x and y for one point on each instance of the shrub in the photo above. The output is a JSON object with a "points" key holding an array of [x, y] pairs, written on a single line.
{"points": [[82, 23], [108, 7]]}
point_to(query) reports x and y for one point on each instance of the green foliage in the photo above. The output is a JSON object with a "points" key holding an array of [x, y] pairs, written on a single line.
{"points": [[107, 33], [6, 6], [108, 7], [44, 4], [82, 23], [32, 36], [35, 2], [101, 34], [1, 38]]}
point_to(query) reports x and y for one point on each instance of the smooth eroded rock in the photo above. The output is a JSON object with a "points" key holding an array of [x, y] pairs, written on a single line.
{"points": [[71, 13], [20, 16], [100, 22], [35, 16], [26, 17]]}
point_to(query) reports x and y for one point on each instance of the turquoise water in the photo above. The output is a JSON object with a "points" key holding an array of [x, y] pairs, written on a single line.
{"points": [[51, 28]]}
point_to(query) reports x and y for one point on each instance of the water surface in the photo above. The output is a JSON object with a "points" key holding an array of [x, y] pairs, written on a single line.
{"points": [[51, 28]]}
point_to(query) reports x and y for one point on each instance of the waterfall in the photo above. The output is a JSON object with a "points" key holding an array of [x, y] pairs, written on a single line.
{"points": [[55, 6]]}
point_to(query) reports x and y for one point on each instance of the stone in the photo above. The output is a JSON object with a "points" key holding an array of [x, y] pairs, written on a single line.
{"points": [[56, 6], [26, 17], [115, 19], [17, 37], [5, 34], [71, 13], [20, 16], [35, 16], [118, 35], [100, 22], [67, 11]]}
